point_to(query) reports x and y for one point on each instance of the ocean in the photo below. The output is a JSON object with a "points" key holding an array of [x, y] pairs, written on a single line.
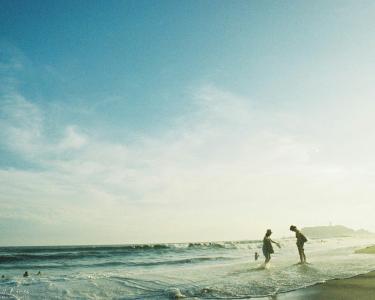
{"points": [[216, 270]]}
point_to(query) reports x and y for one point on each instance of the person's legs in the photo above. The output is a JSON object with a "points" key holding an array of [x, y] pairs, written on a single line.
{"points": [[268, 257], [301, 253]]}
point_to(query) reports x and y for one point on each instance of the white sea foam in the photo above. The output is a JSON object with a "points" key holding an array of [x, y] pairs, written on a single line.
{"points": [[225, 270]]}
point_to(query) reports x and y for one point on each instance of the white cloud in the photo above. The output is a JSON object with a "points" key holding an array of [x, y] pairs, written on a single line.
{"points": [[219, 169], [72, 139]]}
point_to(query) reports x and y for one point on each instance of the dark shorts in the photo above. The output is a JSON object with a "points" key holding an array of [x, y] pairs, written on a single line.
{"points": [[300, 246], [266, 253]]}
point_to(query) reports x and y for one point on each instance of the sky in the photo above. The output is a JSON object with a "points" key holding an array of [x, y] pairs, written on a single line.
{"points": [[172, 121]]}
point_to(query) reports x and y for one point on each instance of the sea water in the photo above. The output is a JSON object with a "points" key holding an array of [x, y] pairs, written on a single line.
{"points": [[217, 270]]}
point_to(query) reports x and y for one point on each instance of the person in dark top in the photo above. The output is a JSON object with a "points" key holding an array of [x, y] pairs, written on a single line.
{"points": [[26, 274], [301, 240], [267, 246]]}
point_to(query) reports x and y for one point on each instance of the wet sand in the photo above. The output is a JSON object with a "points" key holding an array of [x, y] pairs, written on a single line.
{"points": [[361, 287]]}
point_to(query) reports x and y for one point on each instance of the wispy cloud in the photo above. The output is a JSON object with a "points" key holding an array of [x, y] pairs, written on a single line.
{"points": [[21, 125], [222, 161]]}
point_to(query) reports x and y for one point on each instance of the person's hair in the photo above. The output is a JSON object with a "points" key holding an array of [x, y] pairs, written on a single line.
{"points": [[269, 232], [292, 227]]}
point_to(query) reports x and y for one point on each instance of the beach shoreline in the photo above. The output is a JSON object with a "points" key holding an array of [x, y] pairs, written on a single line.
{"points": [[224, 270], [359, 287]]}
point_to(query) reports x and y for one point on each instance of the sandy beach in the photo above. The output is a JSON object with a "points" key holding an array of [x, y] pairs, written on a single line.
{"points": [[367, 250], [361, 287]]}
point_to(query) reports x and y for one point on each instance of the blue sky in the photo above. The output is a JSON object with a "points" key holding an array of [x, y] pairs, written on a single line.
{"points": [[146, 121]]}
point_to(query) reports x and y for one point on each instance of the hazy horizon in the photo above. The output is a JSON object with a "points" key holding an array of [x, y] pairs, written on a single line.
{"points": [[54, 244], [274, 235], [139, 122]]}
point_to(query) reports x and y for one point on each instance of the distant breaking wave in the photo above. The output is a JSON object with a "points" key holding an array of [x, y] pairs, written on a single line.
{"points": [[24, 254], [120, 263], [71, 252]]}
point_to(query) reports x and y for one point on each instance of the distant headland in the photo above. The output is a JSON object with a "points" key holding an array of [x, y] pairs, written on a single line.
{"points": [[333, 231]]}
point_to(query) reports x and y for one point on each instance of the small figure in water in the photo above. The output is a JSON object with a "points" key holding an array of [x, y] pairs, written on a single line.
{"points": [[2, 276], [256, 256], [39, 273], [26, 274], [267, 246], [301, 240]]}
